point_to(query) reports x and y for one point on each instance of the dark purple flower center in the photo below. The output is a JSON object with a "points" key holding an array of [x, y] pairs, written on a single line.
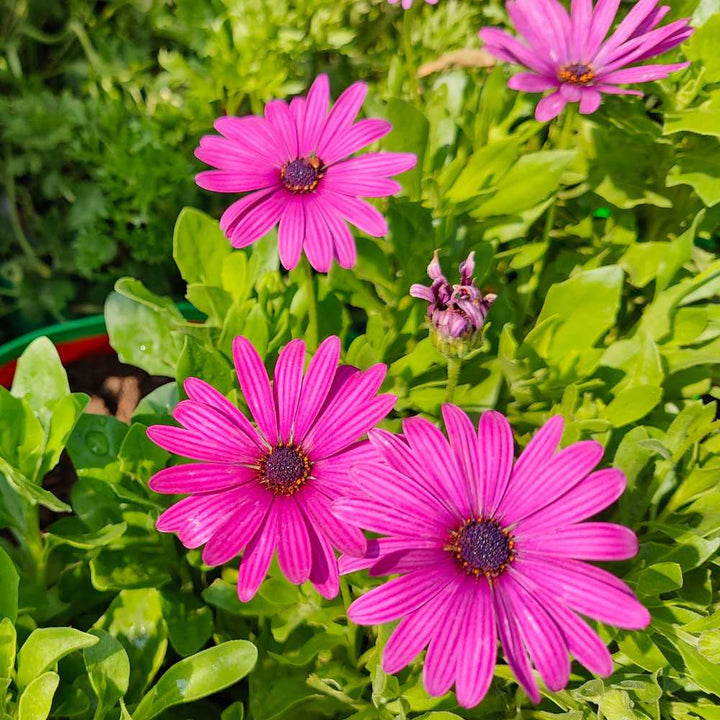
{"points": [[576, 74], [302, 175], [482, 547], [284, 470]]}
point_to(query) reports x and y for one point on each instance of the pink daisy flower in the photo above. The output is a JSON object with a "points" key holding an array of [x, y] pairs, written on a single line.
{"points": [[486, 548], [269, 487], [295, 165], [572, 55]]}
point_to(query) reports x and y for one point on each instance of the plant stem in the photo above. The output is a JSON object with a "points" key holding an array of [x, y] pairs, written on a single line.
{"points": [[410, 62], [453, 373], [351, 629], [311, 334], [42, 269]]}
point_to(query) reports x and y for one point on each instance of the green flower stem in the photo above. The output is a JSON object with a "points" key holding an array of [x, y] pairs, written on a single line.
{"points": [[351, 629], [410, 60], [453, 373], [311, 333]]}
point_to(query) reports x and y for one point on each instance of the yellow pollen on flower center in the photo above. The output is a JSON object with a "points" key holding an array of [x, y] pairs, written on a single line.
{"points": [[302, 175], [284, 469], [481, 547], [576, 74]]}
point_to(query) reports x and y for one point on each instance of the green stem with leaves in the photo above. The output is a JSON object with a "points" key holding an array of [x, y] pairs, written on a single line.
{"points": [[453, 374], [312, 331]]}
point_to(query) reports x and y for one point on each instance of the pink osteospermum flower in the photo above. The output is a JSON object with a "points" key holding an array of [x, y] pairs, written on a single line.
{"points": [[295, 165], [270, 487], [486, 547], [570, 54]]}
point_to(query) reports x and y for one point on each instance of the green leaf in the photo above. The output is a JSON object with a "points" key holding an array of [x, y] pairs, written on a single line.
{"points": [[135, 619], [660, 578], [699, 167], [199, 247], [140, 457], [702, 121], [206, 363], [36, 700], [632, 404], [9, 581], [96, 441], [703, 48], [8, 647], [108, 668], [40, 377], [157, 406], [142, 332], [198, 676], [532, 179], [189, 621], [45, 647], [129, 568], [410, 134], [709, 645], [21, 435]]}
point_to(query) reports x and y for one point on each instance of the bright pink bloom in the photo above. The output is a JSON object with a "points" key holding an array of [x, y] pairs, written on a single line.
{"points": [[486, 548], [270, 487], [294, 164], [571, 55], [406, 4]]}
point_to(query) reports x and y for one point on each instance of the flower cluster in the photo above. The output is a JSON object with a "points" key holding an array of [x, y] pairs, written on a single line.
{"points": [[486, 548], [456, 312]]}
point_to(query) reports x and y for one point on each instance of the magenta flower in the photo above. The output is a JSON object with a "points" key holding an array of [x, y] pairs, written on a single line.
{"points": [[570, 54], [487, 548], [294, 164], [454, 311], [270, 487]]}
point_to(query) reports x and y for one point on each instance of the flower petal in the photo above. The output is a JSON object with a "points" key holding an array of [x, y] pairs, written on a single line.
{"points": [[496, 450], [318, 244], [287, 385], [316, 108], [293, 546], [342, 116], [531, 82], [362, 133], [199, 478], [257, 557], [358, 213], [255, 385], [550, 107], [586, 541], [464, 443], [590, 101], [192, 445], [259, 219], [291, 233]]}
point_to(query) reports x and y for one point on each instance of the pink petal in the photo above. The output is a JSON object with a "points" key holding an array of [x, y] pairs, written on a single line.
{"points": [[237, 211], [587, 590], [288, 384], [586, 541], [541, 636], [388, 547], [414, 632], [556, 477], [342, 116], [599, 490], [357, 185], [400, 596], [216, 427], [512, 646], [380, 164], [431, 446], [570, 93], [531, 82], [406, 561], [192, 445], [293, 547], [496, 450], [630, 23], [524, 17], [332, 475], [514, 51], [255, 385], [199, 478], [386, 519], [324, 572], [318, 244], [477, 648], [464, 443], [200, 391], [443, 651], [317, 382], [362, 133], [237, 531], [345, 536], [343, 240], [225, 181], [315, 115], [613, 90], [224, 154], [257, 557], [291, 234], [603, 16], [259, 219], [196, 518], [549, 107], [278, 115], [358, 213], [580, 19], [644, 73], [298, 108], [253, 134], [590, 101], [538, 452]]}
